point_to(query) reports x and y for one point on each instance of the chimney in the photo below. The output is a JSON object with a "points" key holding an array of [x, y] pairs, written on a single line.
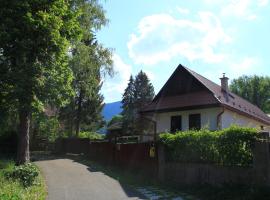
{"points": [[224, 83]]}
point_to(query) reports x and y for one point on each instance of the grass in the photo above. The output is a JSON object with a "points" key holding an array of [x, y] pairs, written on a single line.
{"points": [[14, 190]]}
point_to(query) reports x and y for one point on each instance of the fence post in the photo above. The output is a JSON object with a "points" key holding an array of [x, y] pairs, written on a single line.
{"points": [[262, 160], [161, 162]]}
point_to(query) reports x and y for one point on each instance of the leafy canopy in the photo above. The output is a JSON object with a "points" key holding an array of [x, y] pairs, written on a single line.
{"points": [[254, 89], [89, 61], [34, 39]]}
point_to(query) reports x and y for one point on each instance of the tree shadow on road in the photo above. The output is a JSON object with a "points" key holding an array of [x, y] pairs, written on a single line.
{"points": [[126, 178]]}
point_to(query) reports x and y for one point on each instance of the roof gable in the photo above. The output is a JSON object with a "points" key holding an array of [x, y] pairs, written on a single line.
{"points": [[180, 82], [185, 81], [231, 100]]}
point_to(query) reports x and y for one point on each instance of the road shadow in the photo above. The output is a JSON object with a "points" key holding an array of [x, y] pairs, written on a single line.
{"points": [[123, 178]]}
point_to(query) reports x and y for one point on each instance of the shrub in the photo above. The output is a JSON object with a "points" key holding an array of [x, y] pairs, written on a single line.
{"points": [[91, 135], [190, 146], [235, 145], [26, 174], [231, 146]]}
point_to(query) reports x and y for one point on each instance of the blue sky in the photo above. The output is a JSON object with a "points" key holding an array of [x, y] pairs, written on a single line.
{"points": [[210, 37]]}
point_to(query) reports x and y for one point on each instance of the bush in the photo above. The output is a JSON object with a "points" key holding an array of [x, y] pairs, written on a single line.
{"points": [[231, 146], [235, 145], [26, 174], [91, 135]]}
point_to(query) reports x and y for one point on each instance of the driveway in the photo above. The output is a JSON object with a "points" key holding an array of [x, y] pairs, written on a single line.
{"points": [[67, 179]]}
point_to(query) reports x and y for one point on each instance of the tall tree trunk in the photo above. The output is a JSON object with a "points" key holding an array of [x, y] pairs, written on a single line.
{"points": [[78, 122], [23, 155]]}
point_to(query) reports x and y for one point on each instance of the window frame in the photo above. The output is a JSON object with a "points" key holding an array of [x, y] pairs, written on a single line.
{"points": [[193, 125], [179, 117]]}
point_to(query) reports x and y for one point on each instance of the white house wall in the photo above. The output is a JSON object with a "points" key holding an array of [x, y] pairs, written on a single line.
{"points": [[228, 118], [208, 119]]}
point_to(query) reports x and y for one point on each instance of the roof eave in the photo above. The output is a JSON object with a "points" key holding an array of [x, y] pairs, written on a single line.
{"points": [[173, 109]]}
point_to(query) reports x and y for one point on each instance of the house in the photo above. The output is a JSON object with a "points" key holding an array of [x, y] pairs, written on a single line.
{"points": [[114, 130], [191, 101]]}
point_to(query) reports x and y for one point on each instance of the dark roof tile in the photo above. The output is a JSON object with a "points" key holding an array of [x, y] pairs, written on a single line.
{"points": [[227, 99]]}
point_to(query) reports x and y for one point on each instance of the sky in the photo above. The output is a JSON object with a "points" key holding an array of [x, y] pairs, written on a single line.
{"points": [[210, 37]]}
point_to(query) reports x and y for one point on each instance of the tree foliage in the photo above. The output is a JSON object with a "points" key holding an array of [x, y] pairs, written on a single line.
{"points": [[128, 106], [34, 38], [254, 89], [91, 135], [44, 127], [89, 61], [143, 91], [137, 95], [115, 119], [36, 69]]}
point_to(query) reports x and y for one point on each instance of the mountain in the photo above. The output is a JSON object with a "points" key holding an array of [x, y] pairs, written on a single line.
{"points": [[111, 109]]}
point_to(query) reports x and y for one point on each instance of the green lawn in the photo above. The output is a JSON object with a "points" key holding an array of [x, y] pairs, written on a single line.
{"points": [[14, 190]]}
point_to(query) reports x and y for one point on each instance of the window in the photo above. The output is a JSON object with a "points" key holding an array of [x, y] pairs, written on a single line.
{"points": [[195, 121], [176, 123]]}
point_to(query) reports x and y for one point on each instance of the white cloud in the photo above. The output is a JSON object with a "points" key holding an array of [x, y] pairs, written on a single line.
{"points": [[236, 8], [116, 85], [263, 2], [183, 10], [233, 69], [161, 37], [244, 9], [252, 17], [247, 65]]}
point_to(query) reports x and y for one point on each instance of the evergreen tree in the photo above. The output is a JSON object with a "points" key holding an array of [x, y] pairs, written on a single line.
{"points": [[137, 95], [92, 111], [128, 108], [143, 95], [143, 91]]}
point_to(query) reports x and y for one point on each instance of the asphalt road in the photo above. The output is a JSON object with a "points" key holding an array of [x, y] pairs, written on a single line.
{"points": [[69, 180]]}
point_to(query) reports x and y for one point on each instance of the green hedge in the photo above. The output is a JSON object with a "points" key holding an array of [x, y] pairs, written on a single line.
{"points": [[91, 135], [231, 146]]}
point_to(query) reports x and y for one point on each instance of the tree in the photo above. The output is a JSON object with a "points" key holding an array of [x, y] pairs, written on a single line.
{"points": [[128, 107], [143, 95], [115, 119], [137, 95], [34, 40], [143, 91], [89, 62], [254, 89], [92, 119]]}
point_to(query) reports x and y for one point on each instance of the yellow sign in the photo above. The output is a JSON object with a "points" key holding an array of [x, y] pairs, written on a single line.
{"points": [[152, 152]]}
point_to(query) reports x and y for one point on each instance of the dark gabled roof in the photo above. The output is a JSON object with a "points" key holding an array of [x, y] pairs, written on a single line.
{"points": [[115, 126], [187, 101], [215, 95]]}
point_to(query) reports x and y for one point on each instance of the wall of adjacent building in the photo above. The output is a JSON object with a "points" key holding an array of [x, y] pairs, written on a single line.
{"points": [[208, 119], [229, 117]]}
